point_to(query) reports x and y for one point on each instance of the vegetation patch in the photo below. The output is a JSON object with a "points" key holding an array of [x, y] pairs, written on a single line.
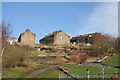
{"points": [[13, 73], [20, 72], [15, 55], [82, 69], [112, 61]]}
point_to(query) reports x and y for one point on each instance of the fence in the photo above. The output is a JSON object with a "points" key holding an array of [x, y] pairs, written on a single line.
{"points": [[89, 76]]}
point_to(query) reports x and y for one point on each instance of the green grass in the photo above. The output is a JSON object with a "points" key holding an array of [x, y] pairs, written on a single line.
{"points": [[112, 61], [82, 71], [15, 73], [12, 73], [52, 73]]}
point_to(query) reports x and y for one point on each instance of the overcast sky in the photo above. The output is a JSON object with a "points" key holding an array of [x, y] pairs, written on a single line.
{"points": [[74, 18]]}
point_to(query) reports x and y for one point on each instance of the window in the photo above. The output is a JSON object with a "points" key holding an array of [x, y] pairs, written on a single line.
{"points": [[61, 37]]}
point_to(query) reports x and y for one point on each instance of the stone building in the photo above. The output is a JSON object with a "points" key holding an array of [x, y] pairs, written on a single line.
{"points": [[27, 37], [86, 39], [57, 37]]}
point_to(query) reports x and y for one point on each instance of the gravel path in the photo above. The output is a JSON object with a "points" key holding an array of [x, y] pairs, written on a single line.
{"points": [[98, 65]]}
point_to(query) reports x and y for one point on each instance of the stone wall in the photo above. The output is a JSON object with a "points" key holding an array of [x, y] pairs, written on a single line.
{"points": [[61, 38]]}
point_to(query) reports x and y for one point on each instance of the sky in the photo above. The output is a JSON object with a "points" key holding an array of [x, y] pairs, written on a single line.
{"points": [[74, 18]]}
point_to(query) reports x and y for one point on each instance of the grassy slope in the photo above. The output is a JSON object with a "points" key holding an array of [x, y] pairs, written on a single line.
{"points": [[15, 73], [112, 61], [74, 69], [81, 71]]}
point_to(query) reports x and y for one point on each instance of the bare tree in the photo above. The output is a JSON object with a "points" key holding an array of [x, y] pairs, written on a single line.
{"points": [[103, 43], [6, 31], [4, 34], [116, 45], [119, 44]]}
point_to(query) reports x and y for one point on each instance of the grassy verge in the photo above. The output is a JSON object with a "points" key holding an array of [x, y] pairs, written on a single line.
{"points": [[13, 73], [113, 61], [20, 73]]}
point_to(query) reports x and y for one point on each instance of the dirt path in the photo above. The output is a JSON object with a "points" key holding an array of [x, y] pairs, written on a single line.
{"points": [[36, 72]]}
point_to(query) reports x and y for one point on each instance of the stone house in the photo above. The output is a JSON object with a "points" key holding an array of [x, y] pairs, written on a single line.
{"points": [[27, 37], [12, 40], [86, 39], [57, 37]]}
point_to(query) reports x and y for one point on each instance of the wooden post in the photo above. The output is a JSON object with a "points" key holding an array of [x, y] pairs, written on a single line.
{"points": [[88, 71], [103, 73], [59, 76]]}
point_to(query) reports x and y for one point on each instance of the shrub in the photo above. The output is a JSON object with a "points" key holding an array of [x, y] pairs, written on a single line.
{"points": [[78, 57], [15, 55]]}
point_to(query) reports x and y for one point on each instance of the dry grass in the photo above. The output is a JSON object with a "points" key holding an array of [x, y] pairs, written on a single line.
{"points": [[15, 55]]}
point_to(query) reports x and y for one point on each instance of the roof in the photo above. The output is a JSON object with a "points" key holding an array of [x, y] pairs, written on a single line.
{"points": [[27, 30], [85, 35], [54, 33]]}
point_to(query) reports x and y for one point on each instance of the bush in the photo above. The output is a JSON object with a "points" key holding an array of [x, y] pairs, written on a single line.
{"points": [[78, 57], [15, 55]]}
